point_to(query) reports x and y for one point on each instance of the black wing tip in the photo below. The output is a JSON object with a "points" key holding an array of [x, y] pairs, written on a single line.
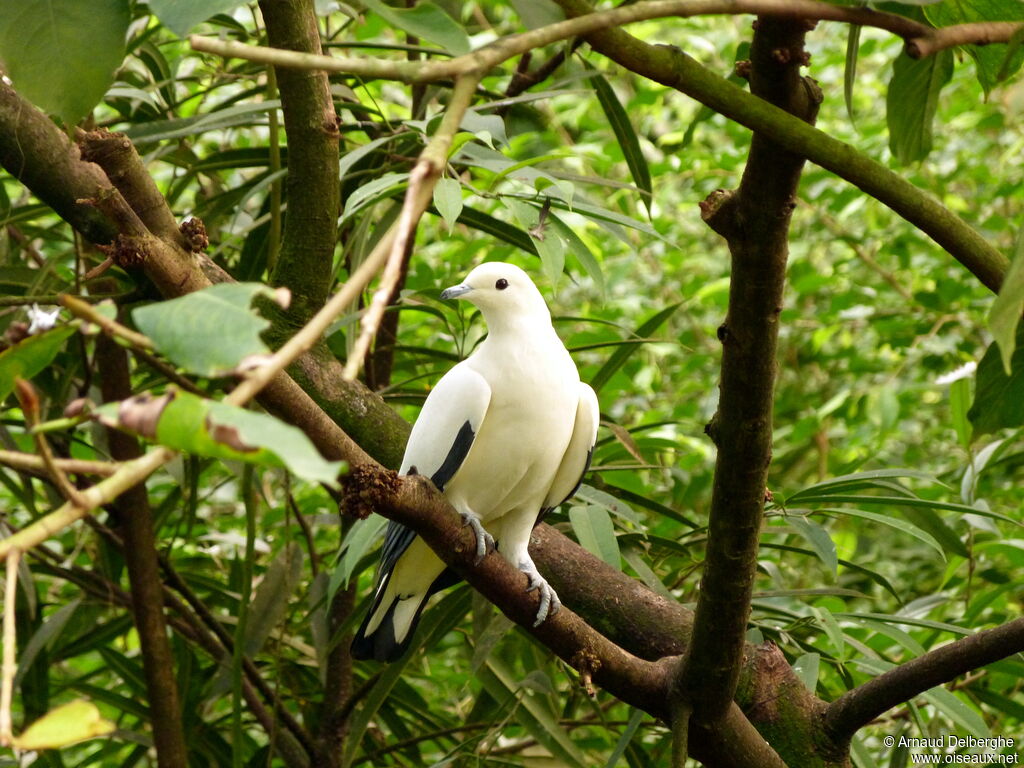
{"points": [[381, 644]]}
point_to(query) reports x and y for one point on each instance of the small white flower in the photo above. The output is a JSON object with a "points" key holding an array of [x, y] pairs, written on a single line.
{"points": [[40, 320], [965, 370]]}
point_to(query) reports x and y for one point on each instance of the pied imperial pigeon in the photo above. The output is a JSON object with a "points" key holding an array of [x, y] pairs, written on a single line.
{"points": [[506, 435]]}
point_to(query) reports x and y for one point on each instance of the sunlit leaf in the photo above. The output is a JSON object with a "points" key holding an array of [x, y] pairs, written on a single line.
{"points": [[30, 356], [67, 724], [427, 21], [1008, 306], [911, 103], [208, 332], [594, 530], [180, 16]]}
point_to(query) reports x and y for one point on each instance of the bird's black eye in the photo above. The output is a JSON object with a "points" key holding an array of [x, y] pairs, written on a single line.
{"points": [[502, 284]]}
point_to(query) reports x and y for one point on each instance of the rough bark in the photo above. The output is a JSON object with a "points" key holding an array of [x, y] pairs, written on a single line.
{"points": [[136, 519]]}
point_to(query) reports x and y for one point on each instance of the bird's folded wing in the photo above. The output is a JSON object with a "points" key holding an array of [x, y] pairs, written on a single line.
{"points": [[447, 425], [576, 459]]}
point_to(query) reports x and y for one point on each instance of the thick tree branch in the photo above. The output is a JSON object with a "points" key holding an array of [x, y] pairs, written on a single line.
{"points": [[858, 707], [305, 260], [755, 223], [136, 520]]}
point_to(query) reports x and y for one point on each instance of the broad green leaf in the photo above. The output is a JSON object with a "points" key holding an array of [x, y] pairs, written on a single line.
{"points": [[832, 629], [594, 530], [30, 356], [67, 724], [993, 62], [180, 16], [619, 120], [1008, 306], [186, 422], [818, 539], [911, 103], [448, 200], [208, 332], [427, 21], [806, 668], [270, 599], [489, 225], [998, 398], [616, 506], [551, 248], [61, 54], [580, 250]]}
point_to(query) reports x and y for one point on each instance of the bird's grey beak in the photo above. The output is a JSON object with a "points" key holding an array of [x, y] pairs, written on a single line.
{"points": [[456, 290]]}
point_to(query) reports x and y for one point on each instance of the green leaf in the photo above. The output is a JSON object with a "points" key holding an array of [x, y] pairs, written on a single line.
{"points": [[426, 21], [806, 668], [819, 540], [358, 541], [537, 718], [68, 724], [180, 16], [44, 637], [911, 103], [959, 404], [208, 332], [850, 73], [998, 398], [186, 422], [270, 600], [993, 62], [580, 250], [30, 356], [628, 733], [619, 120], [448, 200], [594, 530], [538, 13], [551, 248], [61, 54], [956, 710], [1008, 306], [619, 357], [893, 522]]}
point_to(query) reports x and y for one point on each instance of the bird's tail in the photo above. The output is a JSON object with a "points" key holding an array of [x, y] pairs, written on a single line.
{"points": [[390, 624]]}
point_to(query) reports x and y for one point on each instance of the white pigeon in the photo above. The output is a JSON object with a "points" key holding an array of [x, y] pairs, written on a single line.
{"points": [[506, 434]]}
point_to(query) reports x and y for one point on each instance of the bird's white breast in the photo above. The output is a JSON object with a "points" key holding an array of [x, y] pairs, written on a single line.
{"points": [[529, 421]]}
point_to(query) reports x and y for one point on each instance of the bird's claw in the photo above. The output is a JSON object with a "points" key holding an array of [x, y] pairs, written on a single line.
{"points": [[484, 540], [549, 602]]}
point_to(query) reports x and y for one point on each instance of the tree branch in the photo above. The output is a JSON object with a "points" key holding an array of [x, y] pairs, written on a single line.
{"points": [[135, 517], [675, 69], [755, 223], [923, 37], [858, 707], [305, 260]]}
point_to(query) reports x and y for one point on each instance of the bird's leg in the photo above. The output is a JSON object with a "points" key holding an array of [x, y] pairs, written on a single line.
{"points": [[549, 602], [484, 540]]}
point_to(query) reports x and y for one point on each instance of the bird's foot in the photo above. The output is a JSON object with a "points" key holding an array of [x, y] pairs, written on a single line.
{"points": [[484, 540], [549, 602]]}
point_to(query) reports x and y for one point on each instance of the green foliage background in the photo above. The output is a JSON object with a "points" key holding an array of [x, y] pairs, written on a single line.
{"points": [[892, 529]]}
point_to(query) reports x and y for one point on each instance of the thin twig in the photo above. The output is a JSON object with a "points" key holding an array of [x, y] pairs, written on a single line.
{"points": [[30, 462], [10, 665], [30, 409], [111, 327]]}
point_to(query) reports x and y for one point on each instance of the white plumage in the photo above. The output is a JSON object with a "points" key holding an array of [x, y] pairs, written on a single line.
{"points": [[506, 435]]}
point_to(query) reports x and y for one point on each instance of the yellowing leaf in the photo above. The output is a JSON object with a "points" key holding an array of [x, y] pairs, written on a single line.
{"points": [[67, 724]]}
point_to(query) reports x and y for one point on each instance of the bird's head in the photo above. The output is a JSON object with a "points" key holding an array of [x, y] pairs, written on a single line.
{"points": [[503, 293]]}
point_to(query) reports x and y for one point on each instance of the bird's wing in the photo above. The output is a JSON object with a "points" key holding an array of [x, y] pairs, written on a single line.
{"points": [[439, 442], [576, 459], [447, 425]]}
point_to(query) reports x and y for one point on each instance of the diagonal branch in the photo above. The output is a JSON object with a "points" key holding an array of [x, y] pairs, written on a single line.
{"points": [[858, 707], [675, 69], [920, 37]]}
